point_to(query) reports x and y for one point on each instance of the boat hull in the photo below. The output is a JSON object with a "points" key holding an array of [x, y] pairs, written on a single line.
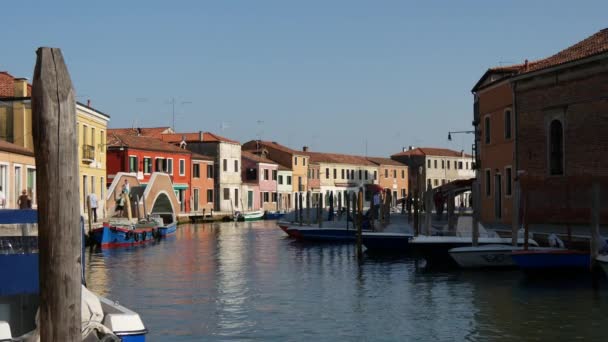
{"points": [[435, 249], [378, 242], [488, 256], [116, 237], [603, 262], [168, 229], [552, 260], [273, 216]]}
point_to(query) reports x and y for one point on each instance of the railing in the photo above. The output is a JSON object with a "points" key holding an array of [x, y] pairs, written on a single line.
{"points": [[88, 153]]}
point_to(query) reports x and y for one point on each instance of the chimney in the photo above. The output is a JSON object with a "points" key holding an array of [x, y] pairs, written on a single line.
{"points": [[89, 103], [526, 65], [20, 87], [138, 131], [200, 135], [305, 149], [411, 147], [462, 153]]}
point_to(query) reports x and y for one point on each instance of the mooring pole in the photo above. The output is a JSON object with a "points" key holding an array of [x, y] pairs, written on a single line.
{"points": [[308, 208], [59, 233], [595, 222], [296, 207], [300, 203], [359, 224]]}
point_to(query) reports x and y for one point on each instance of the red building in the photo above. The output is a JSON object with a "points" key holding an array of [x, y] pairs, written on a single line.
{"points": [[141, 156]]}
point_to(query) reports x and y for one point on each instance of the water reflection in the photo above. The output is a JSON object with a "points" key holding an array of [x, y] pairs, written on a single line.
{"points": [[247, 281]]}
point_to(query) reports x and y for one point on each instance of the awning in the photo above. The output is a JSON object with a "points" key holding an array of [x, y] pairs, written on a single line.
{"points": [[180, 186]]}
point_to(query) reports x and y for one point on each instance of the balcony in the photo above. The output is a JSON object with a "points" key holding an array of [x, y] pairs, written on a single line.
{"points": [[88, 154]]}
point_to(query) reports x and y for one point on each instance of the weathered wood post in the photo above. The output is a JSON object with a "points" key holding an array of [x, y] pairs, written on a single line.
{"points": [[308, 208], [595, 222], [451, 211], [59, 235], [475, 193], [320, 211], [347, 202], [137, 212], [428, 203], [416, 200], [297, 219], [526, 220], [409, 208], [359, 224], [516, 208], [89, 211], [301, 210], [388, 204]]}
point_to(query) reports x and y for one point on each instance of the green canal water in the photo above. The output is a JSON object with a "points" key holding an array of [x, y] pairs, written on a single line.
{"points": [[247, 281]]}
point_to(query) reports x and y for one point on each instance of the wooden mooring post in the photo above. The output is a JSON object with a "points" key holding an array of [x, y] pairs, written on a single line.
{"points": [[296, 207], [59, 235], [320, 211], [359, 224], [308, 208], [595, 222], [300, 205]]}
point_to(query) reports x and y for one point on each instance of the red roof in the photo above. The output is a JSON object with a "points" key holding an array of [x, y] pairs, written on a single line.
{"points": [[179, 137], [259, 144], [256, 158], [336, 158], [154, 132], [591, 46], [13, 148], [7, 85], [196, 156], [385, 161], [142, 143], [431, 151]]}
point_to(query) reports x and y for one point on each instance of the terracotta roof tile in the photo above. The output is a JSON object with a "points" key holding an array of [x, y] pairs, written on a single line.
{"points": [[385, 161], [142, 143], [155, 132], [336, 158], [178, 137], [256, 158], [13, 148], [591, 46], [256, 144], [196, 156], [431, 151]]}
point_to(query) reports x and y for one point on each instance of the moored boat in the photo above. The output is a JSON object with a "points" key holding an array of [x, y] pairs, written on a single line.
{"points": [[273, 215], [603, 261], [386, 242], [249, 216], [436, 248], [156, 221], [109, 236], [485, 256], [552, 260]]}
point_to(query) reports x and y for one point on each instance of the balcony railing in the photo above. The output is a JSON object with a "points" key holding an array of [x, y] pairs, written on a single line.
{"points": [[88, 153]]}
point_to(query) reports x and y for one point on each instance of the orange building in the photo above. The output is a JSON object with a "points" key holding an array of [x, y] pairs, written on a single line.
{"points": [[202, 183], [392, 175], [494, 124]]}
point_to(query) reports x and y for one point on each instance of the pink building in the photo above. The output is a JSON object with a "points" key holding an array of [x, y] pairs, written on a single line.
{"points": [[259, 182]]}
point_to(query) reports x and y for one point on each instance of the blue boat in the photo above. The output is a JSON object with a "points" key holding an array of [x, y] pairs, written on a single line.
{"points": [[20, 289], [381, 242], [550, 259], [109, 236], [273, 215]]}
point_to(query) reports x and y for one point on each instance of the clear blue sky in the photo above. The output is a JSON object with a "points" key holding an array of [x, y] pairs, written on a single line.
{"points": [[327, 74]]}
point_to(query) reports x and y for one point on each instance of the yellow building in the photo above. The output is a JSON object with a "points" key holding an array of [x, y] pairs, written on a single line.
{"points": [[17, 173], [92, 129], [16, 128]]}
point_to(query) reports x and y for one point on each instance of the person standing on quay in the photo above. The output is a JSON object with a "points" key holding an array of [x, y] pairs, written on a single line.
{"points": [[24, 201], [93, 203]]}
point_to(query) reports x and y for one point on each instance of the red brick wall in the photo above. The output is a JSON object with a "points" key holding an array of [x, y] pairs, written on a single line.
{"points": [[6, 85], [584, 104]]}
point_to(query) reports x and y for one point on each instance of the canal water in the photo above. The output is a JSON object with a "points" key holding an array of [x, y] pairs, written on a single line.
{"points": [[247, 281]]}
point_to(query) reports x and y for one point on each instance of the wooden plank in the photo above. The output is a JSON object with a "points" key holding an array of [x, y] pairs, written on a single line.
{"points": [[59, 236]]}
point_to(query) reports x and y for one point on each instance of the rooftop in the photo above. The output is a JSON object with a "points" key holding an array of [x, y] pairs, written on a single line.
{"points": [[154, 132], [431, 151], [142, 143], [257, 144], [6, 146], [256, 158], [385, 161], [7, 85], [196, 156]]}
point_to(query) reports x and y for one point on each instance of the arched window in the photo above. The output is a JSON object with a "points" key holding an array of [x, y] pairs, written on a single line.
{"points": [[556, 148]]}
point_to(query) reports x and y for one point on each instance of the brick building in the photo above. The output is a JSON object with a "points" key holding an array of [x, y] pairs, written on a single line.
{"points": [[392, 175], [493, 119], [202, 183]]}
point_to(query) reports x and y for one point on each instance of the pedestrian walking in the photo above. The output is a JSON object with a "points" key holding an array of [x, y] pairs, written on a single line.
{"points": [[24, 200], [93, 204]]}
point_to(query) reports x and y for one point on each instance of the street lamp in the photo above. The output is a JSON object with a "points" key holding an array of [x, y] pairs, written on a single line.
{"points": [[456, 132]]}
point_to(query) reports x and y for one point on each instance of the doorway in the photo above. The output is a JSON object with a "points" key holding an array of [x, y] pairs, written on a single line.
{"points": [[250, 199]]}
